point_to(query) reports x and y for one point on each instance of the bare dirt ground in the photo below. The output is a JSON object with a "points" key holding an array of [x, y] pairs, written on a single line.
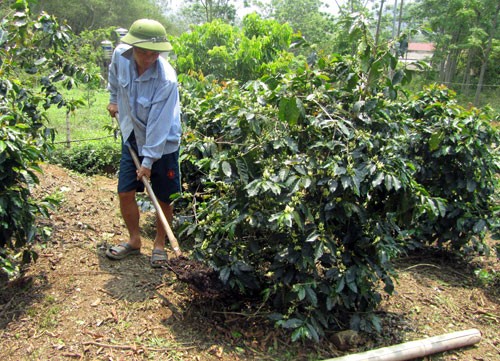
{"points": [[75, 304]]}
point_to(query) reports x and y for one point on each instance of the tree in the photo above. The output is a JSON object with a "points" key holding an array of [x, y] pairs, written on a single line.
{"points": [[316, 27], [96, 14], [487, 53], [205, 11], [34, 64], [226, 52], [350, 17], [375, 18], [377, 33], [400, 19], [462, 31]]}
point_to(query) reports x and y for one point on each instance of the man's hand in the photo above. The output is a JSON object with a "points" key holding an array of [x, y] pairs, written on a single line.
{"points": [[112, 109], [143, 172]]}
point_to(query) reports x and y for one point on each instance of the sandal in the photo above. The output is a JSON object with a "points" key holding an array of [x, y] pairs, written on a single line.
{"points": [[158, 258], [122, 250]]}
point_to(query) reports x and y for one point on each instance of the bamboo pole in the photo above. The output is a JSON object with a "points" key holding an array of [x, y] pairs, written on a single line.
{"points": [[416, 349]]}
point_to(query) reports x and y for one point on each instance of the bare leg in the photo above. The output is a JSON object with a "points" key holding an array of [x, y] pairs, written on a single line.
{"points": [[130, 214]]}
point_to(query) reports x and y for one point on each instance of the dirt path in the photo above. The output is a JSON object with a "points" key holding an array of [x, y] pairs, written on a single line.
{"points": [[75, 304]]}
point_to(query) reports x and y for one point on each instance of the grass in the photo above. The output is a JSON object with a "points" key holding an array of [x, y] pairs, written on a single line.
{"points": [[51, 310], [86, 122], [91, 146]]}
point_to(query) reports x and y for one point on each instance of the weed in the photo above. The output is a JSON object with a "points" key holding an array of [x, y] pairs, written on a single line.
{"points": [[49, 319], [444, 301], [158, 342], [55, 198], [487, 277]]}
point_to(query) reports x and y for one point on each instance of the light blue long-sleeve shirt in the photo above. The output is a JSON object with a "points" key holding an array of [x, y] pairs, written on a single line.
{"points": [[147, 104]]}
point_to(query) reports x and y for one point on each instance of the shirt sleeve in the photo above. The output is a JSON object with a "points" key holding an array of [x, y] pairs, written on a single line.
{"points": [[113, 78]]}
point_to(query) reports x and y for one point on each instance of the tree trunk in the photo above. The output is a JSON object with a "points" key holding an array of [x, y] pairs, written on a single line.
{"points": [[394, 18], [451, 66], [486, 56], [466, 78], [440, 56], [448, 67], [451, 58], [207, 4], [442, 67], [400, 20], [377, 34], [470, 58]]}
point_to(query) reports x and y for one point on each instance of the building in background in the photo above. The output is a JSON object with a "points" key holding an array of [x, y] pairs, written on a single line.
{"points": [[419, 52]]}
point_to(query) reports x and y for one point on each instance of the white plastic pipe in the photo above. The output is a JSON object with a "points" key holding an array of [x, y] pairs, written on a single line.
{"points": [[419, 348]]}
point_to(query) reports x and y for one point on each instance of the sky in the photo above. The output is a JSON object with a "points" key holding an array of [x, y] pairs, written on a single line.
{"points": [[332, 6]]}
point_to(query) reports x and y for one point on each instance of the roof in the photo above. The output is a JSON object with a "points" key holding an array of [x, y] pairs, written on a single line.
{"points": [[421, 47]]}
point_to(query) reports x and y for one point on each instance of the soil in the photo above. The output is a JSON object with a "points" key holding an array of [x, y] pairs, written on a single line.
{"points": [[75, 304]]}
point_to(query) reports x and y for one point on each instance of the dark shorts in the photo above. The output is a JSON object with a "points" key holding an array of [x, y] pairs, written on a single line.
{"points": [[165, 174]]}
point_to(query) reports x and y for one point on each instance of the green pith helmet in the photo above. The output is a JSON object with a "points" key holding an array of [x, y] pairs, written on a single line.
{"points": [[147, 34]]}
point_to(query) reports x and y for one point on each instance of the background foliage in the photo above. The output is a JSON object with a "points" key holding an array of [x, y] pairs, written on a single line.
{"points": [[307, 170], [32, 66], [97, 14], [227, 52], [305, 185], [88, 158]]}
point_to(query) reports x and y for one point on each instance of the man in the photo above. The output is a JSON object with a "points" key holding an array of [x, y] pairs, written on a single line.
{"points": [[144, 94]]}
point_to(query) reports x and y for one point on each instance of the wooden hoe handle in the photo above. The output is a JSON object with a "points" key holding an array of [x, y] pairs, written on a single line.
{"points": [[159, 211]]}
